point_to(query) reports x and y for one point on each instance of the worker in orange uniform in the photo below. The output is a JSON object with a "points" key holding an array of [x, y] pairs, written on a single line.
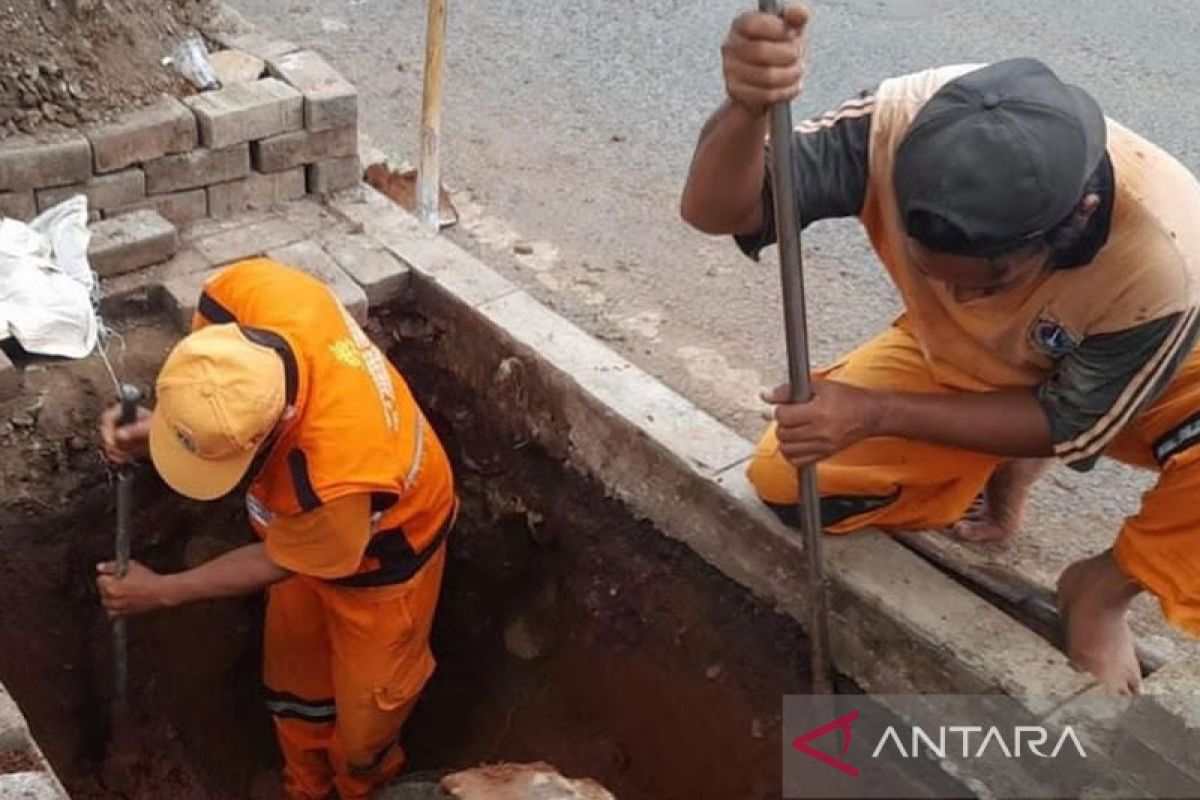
{"points": [[1048, 260], [349, 490]]}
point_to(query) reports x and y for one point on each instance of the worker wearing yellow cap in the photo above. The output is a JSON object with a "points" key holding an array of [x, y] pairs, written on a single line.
{"points": [[349, 490]]}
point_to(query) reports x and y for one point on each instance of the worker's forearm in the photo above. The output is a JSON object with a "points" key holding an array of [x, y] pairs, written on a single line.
{"points": [[724, 188], [1010, 424], [237, 572]]}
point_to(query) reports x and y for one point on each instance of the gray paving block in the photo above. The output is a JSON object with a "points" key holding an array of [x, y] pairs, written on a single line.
{"points": [[330, 101], [28, 162], [302, 147], [104, 192], [200, 167], [137, 293], [309, 257], [180, 208], [131, 241], [164, 128], [18, 205], [179, 295], [246, 111], [382, 276], [326, 177], [246, 241], [255, 192]]}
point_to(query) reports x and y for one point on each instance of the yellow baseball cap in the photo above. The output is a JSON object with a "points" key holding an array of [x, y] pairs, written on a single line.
{"points": [[219, 395]]}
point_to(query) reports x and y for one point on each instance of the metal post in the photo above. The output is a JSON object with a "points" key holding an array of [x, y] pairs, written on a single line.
{"points": [[428, 177], [130, 397], [787, 221]]}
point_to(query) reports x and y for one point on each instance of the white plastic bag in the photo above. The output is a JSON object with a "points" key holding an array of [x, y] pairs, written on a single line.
{"points": [[46, 283]]}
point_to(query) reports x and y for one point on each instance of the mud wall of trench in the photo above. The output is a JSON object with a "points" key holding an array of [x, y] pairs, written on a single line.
{"points": [[568, 631]]}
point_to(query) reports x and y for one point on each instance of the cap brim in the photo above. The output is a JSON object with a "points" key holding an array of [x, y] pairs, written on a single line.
{"points": [[187, 473]]}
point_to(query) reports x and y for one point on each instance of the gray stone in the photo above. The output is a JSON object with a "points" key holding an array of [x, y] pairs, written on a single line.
{"points": [[309, 257], [303, 147], [325, 177], [200, 167], [30, 786], [27, 162], [247, 241], [18, 205], [162, 129], [330, 101], [247, 111], [236, 66], [14, 732], [255, 192], [382, 276], [104, 192], [131, 241]]}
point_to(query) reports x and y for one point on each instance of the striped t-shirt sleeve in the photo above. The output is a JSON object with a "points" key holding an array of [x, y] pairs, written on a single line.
{"points": [[832, 152], [1099, 387]]}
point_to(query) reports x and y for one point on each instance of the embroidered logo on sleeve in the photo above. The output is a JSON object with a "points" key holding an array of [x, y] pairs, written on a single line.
{"points": [[1052, 338]]}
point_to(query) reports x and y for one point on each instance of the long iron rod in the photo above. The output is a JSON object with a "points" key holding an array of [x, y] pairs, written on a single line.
{"points": [[428, 171], [130, 397], [785, 181]]}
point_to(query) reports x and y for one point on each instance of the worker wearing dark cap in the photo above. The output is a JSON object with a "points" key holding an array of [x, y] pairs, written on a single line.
{"points": [[1047, 259]]}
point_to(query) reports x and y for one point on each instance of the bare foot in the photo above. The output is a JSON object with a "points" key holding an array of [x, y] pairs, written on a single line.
{"points": [[1094, 598], [996, 514]]}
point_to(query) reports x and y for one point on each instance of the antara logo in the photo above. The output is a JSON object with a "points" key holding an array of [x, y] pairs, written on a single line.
{"points": [[1019, 741], [1034, 737]]}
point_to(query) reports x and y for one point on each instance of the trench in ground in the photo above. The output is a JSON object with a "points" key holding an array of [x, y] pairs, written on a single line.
{"points": [[568, 631]]}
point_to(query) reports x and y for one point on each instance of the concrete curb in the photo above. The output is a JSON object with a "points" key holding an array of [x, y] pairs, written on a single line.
{"points": [[39, 781]]}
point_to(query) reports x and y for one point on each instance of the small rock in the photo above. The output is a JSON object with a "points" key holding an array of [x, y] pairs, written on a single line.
{"points": [[526, 639], [523, 249], [616, 137], [77, 444], [714, 672], [22, 419], [757, 728]]}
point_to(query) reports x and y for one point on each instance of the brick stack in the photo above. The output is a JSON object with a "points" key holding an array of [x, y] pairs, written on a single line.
{"points": [[247, 146]]}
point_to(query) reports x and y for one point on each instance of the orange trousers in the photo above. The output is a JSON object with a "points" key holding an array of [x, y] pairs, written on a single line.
{"points": [[343, 668], [898, 484]]}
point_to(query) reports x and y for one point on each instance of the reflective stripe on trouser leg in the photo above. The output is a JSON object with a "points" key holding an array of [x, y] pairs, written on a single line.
{"points": [[299, 694]]}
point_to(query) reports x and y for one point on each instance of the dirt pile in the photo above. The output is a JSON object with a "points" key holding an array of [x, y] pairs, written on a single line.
{"points": [[68, 62]]}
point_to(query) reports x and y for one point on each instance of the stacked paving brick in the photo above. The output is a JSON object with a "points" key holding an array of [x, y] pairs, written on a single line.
{"points": [[247, 146]]}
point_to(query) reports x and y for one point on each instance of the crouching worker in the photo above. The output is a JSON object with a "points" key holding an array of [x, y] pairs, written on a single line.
{"points": [[349, 491]]}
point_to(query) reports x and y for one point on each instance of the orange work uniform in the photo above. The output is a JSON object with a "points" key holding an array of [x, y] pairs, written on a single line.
{"points": [[1106, 346], [354, 494]]}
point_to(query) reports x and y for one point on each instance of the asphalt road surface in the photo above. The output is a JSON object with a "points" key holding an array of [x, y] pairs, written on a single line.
{"points": [[569, 127]]}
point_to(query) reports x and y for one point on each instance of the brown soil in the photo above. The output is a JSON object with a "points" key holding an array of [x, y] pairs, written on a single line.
{"points": [[17, 762], [67, 62]]}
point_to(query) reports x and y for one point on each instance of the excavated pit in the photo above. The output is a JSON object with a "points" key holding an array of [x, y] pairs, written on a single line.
{"points": [[568, 631]]}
